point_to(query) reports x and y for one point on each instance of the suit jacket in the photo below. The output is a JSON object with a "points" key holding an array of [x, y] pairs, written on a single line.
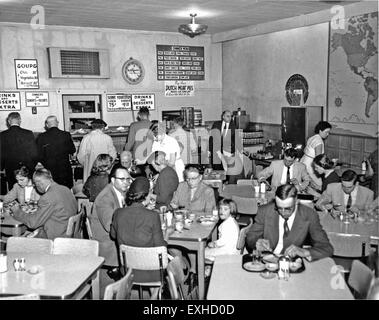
{"points": [[335, 195], [275, 171], [203, 199], [222, 142], [140, 138], [54, 149], [17, 146], [55, 207], [165, 186], [306, 223], [101, 218], [18, 193]]}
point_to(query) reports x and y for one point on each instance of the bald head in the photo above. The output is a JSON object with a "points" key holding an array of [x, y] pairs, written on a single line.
{"points": [[126, 159], [51, 121]]}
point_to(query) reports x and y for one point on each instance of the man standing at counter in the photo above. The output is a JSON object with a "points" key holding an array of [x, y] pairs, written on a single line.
{"points": [[54, 148]]}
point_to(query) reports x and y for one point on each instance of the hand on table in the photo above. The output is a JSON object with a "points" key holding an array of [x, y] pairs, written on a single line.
{"points": [[263, 245], [294, 251]]}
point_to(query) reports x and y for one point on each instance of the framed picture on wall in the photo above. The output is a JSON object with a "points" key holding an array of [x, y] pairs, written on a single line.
{"points": [[26, 73]]}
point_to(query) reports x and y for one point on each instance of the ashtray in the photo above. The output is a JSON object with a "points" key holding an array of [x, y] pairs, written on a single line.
{"points": [[267, 275], [35, 269]]}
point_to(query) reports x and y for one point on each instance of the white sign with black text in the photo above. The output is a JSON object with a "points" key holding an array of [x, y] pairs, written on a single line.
{"points": [[119, 102], [37, 99], [10, 101], [179, 88], [26, 73], [143, 100]]}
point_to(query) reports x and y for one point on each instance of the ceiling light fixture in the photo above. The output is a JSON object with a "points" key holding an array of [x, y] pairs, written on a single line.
{"points": [[193, 29]]}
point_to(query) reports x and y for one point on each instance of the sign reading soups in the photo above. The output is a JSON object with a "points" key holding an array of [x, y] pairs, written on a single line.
{"points": [[143, 100], [37, 99], [10, 101], [26, 73], [119, 102], [180, 62]]}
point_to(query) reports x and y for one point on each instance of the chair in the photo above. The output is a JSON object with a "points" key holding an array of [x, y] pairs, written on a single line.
{"points": [[87, 207], [80, 247], [245, 182], [242, 236], [360, 279], [121, 289], [32, 245], [146, 259], [246, 206], [30, 296], [373, 293], [175, 278], [74, 226]]}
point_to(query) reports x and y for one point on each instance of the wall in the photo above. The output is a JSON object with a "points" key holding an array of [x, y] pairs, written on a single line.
{"points": [[19, 41]]}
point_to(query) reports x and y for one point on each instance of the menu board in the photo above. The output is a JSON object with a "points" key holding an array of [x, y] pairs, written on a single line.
{"points": [[37, 99], [119, 102], [143, 100], [176, 62], [26, 73], [10, 101]]}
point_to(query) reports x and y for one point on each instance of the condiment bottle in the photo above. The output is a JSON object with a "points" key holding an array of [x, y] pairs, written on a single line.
{"points": [[284, 268], [263, 187], [364, 167]]}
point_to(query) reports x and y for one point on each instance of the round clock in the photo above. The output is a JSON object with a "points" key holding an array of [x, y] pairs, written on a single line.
{"points": [[133, 71], [293, 86]]}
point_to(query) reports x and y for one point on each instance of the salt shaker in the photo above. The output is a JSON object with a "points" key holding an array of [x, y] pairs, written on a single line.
{"points": [[16, 264], [263, 187], [22, 264]]}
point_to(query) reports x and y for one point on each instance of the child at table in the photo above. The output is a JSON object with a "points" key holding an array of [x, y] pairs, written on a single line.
{"points": [[228, 231]]}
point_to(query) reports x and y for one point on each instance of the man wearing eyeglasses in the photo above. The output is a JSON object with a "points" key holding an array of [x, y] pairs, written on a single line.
{"points": [[283, 226], [107, 201]]}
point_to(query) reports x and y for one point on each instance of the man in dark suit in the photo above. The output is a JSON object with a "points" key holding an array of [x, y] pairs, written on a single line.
{"points": [[54, 149], [167, 181], [17, 147], [284, 225], [140, 137], [56, 205], [226, 147]]}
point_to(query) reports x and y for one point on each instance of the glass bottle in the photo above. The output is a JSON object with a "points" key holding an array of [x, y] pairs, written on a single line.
{"points": [[284, 268]]}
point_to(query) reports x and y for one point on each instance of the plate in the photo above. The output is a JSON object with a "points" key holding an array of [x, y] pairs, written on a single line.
{"points": [[270, 258], [206, 222], [254, 266]]}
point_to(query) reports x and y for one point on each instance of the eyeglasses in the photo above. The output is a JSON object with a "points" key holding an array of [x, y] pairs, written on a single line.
{"points": [[288, 209], [124, 179], [192, 179]]}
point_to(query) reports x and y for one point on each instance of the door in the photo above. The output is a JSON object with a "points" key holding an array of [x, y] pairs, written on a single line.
{"points": [[80, 110]]}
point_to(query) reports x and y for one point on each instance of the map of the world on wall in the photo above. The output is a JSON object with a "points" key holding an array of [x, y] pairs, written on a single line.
{"points": [[353, 75]]}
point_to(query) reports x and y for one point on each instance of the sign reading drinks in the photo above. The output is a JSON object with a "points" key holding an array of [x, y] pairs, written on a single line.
{"points": [[37, 99], [175, 62], [119, 102], [143, 100], [10, 101], [26, 73]]}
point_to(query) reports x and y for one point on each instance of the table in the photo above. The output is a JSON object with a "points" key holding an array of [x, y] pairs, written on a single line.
{"points": [[337, 226], [246, 191], [194, 239], [318, 281], [215, 181], [11, 226], [63, 276]]}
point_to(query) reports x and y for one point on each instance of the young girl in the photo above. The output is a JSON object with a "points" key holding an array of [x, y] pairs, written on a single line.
{"points": [[228, 231]]}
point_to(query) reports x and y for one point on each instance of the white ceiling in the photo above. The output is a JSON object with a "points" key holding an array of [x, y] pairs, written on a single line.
{"points": [[160, 15]]}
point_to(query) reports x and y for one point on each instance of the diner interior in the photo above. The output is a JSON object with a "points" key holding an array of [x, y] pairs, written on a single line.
{"points": [[189, 150]]}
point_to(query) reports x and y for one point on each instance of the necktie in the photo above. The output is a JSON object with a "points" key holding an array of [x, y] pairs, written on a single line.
{"points": [[349, 202], [288, 175], [286, 228]]}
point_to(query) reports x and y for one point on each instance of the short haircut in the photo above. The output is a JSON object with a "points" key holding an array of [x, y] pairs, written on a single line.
{"points": [[14, 116], [230, 203], [114, 170], [102, 163], [290, 152], [23, 171], [323, 161], [44, 173], [286, 191], [192, 168], [225, 111], [349, 175], [158, 155], [144, 110], [322, 125], [179, 121]]}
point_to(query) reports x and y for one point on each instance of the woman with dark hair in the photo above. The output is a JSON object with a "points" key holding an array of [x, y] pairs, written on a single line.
{"points": [[314, 147], [99, 177], [138, 226], [22, 191], [325, 168]]}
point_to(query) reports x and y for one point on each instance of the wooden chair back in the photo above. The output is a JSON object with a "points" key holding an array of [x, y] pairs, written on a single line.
{"points": [[32, 245], [121, 289], [74, 226], [242, 237], [360, 279], [246, 205], [175, 278]]}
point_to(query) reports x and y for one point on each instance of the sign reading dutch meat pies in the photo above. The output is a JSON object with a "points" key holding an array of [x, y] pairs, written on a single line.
{"points": [[119, 102], [143, 100], [175, 62], [37, 99], [26, 73], [179, 89], [10, 101]]}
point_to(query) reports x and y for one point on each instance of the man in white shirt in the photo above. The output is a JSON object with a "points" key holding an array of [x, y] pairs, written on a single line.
{"points": [[283, 226]]}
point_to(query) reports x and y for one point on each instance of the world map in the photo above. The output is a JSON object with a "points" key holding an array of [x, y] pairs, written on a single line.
{"points": [[353, 74]]}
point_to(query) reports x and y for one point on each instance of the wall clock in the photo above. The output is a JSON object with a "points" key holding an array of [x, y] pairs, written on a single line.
{"points": [[295, 83], [133, 71]]}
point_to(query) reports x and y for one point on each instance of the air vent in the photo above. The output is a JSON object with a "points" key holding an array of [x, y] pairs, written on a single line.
{"points": [[74, 63]]}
